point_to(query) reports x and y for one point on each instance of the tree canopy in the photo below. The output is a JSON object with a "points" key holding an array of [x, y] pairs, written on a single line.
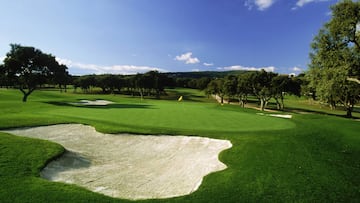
{"points": [[335, 57], [27, 67]]}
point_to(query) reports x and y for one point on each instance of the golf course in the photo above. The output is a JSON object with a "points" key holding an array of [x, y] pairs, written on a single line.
{"points": [[180, 101], [313, 156]]}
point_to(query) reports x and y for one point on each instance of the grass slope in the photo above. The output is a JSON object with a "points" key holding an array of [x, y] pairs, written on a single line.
{"points": [[308, 158]]}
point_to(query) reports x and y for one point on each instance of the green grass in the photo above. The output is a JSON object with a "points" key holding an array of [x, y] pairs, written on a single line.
{"points": [[301, 104], [134, 115], [308, 158]]}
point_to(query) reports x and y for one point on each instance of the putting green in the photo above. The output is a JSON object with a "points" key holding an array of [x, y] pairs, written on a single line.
{"points": [[164, 116]]}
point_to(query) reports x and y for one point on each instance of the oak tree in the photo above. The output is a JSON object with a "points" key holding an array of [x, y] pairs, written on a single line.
{"points": [[335, 57], [26, 68]]}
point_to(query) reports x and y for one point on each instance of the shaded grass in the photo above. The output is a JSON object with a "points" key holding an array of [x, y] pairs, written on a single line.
{"points": [[308, 158], [296, 104]]}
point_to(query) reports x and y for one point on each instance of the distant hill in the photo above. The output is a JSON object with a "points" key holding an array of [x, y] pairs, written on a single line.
{"points": [[200, 74]]}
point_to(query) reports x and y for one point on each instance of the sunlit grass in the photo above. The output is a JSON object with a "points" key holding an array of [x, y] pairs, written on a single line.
{"points": [[309, 158]]}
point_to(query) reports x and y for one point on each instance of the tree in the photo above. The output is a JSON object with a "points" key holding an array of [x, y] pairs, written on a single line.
{"points": [[230, 86], [27, 67], [61, 77], [202, 83], [279, 86], [86, 81], [155, 82], [216, 87], [335, 57], [243, 88], [119, 83], [3, 79], [140, 84], [283, 84], [106, 82], [261, 86]]}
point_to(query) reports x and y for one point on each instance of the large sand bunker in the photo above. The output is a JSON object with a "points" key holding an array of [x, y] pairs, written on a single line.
{"points": [[129, 166]]}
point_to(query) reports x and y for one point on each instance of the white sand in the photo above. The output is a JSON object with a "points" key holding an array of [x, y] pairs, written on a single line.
{"points": [[276, 115], [281, 115], [129, 166], [93, 103]]}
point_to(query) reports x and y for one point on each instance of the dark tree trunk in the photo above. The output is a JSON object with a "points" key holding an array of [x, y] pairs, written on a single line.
{"points": [[24, 99], [157, 93], [26, 94], [141, 94], [60, 87], [244, 101], [262, 107], [313, 96], [278, 105], [349, 112]]}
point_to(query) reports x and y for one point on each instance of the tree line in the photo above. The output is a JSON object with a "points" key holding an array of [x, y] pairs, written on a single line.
{"points": [[261, 84], [151, 83], [264, 85]]}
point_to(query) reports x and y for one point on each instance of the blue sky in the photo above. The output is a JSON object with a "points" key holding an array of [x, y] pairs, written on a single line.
{"points": [[130, 36]]}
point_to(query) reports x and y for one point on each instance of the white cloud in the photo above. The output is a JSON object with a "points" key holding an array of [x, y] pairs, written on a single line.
{"points": [[2, 58], [195, 70], [260, 4], [301, 3], [187, 58], [208, 64], [114, 69], [297, 69], [238, 67]]}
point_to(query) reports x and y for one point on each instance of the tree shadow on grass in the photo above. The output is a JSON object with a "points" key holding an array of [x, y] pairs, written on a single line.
{"points": [[187, 96], [109, 106], [309, 111]]}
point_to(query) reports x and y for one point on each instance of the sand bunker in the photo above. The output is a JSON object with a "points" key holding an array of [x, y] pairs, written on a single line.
{"points": [[281, 115], [276, 115], [129, 166], [93, 103]]}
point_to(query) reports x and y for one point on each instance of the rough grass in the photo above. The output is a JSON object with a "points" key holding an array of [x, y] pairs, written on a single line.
{"points": [[308, 158]]}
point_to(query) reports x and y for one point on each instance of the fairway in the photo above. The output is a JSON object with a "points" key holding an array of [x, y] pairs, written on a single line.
{"points": [[139, 116], [306, 158]]}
